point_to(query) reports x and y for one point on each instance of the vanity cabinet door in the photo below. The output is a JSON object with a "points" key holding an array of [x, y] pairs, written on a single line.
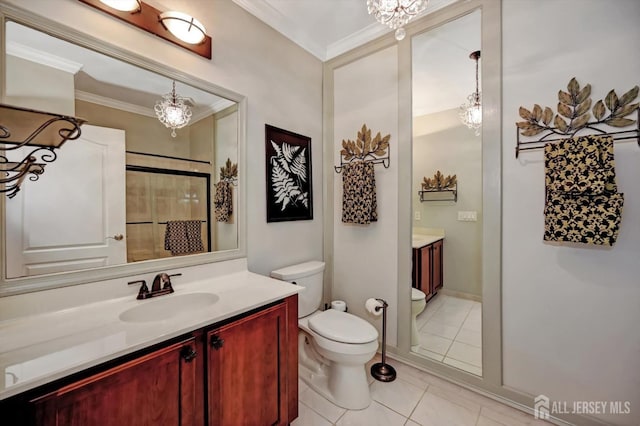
{"points": [[247, 370], [155, 389], [436, 266]]}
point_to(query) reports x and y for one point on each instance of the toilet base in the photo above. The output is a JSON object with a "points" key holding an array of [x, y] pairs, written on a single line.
{"points": [[345, 387]]}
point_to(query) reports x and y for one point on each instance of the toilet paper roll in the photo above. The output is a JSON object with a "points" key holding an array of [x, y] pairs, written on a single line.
{"points": [[339, 305], [371, 304]]}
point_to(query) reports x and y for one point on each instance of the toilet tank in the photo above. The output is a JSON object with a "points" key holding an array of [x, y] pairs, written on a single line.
{"points": [[308, 275]]}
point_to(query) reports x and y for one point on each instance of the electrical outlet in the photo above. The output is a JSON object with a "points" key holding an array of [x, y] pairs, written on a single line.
{"points": [[417, 215], [468, 216]]}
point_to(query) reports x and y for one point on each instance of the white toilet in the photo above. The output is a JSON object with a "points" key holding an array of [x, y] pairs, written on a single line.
{"points": [[418, 303], [334, 346]]}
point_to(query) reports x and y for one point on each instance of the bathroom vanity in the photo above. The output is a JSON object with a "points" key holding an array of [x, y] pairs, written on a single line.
{"points": [[427, 264], [230, 360]]}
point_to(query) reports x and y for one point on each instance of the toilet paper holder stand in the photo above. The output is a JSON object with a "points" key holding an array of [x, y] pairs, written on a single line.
{"points": [[381, 370]]}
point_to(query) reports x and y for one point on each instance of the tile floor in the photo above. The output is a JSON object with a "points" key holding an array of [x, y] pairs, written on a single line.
{"points": [[414, 398], [451, 332]]}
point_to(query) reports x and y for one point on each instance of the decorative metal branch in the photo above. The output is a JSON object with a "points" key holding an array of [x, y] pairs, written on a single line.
{"points": [[364, 148], [439, 182], [574, 115], [229, 172]]}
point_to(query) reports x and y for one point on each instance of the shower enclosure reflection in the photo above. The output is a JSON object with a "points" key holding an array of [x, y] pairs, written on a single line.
{"points": [[447, 198]]}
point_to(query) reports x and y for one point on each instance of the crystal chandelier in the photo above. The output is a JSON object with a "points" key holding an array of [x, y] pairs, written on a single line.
{"points": [[172, 111], [471, 111], [395, 13]]}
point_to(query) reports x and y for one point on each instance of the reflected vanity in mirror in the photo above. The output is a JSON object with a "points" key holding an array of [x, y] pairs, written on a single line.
{"points": [[132, 188], [447, 197]]}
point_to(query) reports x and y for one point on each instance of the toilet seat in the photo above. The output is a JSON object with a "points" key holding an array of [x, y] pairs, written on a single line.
{"points": [[342, 327], [417, 294]]}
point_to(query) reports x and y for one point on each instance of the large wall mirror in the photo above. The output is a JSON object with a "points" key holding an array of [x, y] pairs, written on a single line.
{"points": [[447, 196], [127, 196]]}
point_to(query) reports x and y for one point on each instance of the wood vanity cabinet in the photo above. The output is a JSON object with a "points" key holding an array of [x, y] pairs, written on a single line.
{"points": [[155, 389], [427, 268], [241, 371], [245, 370]]}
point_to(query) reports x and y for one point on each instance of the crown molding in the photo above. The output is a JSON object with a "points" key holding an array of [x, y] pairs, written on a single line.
{"points": [[44, 58], [299, 35], [113, 103], [272, 17]]}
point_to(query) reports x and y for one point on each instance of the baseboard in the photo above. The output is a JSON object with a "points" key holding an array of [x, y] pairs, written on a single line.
{"points": [[460, 295]]}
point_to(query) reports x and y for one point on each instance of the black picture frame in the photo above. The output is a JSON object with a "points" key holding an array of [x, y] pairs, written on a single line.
{"points": [[288, 175]]}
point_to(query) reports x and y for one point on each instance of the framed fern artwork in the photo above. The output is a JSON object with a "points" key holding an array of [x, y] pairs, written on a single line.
{"points": [[288, 156]]}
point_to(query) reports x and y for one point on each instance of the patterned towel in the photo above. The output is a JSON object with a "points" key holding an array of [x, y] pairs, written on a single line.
{"points": [[222, 201], [359, 204], [587, 219], [183, 237], [580, 165], [582, 203]]}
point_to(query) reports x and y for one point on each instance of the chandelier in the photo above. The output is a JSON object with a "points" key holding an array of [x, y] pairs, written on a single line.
{"points": [[471, 111], [172, 111], [395, 13]]}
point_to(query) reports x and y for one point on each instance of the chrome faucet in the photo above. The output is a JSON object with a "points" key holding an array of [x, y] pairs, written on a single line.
{"points": [[161, 285]]}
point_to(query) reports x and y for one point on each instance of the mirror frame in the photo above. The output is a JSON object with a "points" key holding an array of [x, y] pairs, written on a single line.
{"points": [[13, 286]]}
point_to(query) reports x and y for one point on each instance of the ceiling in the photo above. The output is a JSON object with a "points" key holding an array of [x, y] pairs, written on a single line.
{"points": [[325, 28], [443, 74]]}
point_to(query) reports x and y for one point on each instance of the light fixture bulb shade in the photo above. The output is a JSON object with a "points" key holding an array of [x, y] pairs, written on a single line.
{"points": [[395, 13], [471, 112], [184, 26], [123, 5], [172, 111]]}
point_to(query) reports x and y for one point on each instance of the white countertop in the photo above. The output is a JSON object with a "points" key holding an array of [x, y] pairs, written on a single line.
{"points": [[39, 349], [421, 240]]}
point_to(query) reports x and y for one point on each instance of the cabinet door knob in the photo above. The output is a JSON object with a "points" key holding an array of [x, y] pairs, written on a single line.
{"points": [[216, 342], [188, 353]]}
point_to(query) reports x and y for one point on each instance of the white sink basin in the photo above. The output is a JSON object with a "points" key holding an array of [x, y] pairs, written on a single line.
{"points": [[165, 307]]}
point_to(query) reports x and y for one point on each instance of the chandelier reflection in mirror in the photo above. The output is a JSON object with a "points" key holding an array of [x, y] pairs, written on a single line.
{"points": [[395, 13], [173, 111], [471, 111]]}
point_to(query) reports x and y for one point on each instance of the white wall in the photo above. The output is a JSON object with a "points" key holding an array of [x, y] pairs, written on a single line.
{"points": [[570, 314], [365, 256], [283, 84], [441, 142]]}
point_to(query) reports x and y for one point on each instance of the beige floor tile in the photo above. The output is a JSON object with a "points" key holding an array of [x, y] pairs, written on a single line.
{"points": [[375, 415], [470, 337], [440, 329], [484, 421], [431, 355], [411, 423], [434, 343], [465, 353], [321, 405], [433, 410], [308, 417], [398, 395]]}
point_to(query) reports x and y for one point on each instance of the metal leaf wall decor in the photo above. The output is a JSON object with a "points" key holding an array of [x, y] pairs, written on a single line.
{"points": [[229, 172], [574, 111], [439, 182], [364, 146]]}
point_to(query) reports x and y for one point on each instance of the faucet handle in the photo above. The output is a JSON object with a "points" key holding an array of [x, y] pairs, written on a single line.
{"points": [[143, 288], [167, 280]]}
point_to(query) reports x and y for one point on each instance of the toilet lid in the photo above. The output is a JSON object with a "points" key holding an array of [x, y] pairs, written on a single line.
{"points": [[342, 327], [417, 294]]}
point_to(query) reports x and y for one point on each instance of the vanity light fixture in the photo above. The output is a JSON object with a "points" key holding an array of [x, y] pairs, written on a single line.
{"points": [[173, 111], [32, 137], [185, 27], [395, 13], [471, 111], [177, 27], [132, 6]]}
